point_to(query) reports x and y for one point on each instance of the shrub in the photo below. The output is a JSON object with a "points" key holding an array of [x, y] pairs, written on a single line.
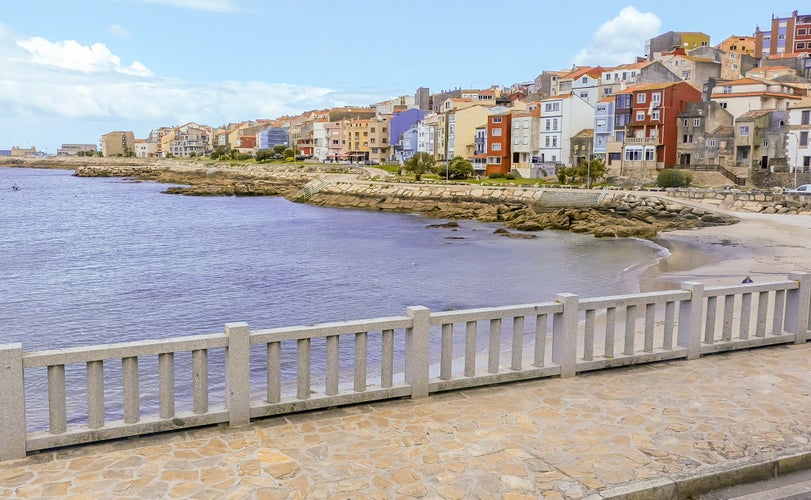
{"points": [[670, 178], [509, 177], [496, 175]]}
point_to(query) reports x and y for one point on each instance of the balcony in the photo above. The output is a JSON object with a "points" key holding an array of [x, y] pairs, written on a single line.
{"points": [[647, 141]]}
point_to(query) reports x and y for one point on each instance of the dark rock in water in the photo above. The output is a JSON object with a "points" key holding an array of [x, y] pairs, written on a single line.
{"points": [[451, 224], [507, 234]]}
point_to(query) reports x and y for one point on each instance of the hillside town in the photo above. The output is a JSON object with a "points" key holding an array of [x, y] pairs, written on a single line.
{"points": [[740, 107]]}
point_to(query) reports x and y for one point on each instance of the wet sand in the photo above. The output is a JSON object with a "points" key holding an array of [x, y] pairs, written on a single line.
{"points": [[765, 247]]}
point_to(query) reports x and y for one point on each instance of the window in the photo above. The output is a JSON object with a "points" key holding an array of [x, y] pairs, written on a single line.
{"points": [[608, 77], [496, 119], [711, 143], [801, 31], [685, 75], [526, 139], [548, 124], [495, 132], [641, 98], [607, 91], [516, 124], [633, 153], [804, 138], [515, 140], [495, 146], [800, 46], [554, 141], [732, 55], [546, 143], [685, 122], [650, 154], [372, 130], [585, 80], [656, 97], [584, 95], [555, 124], [696, 122], [655, 115], [526, 124], [734, 66], [640, 116], [743, 130], [723, 105], [805, 117], [687, 138]]}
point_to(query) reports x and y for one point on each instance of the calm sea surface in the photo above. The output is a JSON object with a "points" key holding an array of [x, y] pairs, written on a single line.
{"points": [[100, 260]]}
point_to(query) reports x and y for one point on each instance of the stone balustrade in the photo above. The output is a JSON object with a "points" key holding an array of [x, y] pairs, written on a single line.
{"points": [[96, 393]]}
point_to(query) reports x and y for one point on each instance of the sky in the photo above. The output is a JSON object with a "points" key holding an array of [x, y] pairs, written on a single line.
{"points": [[71, 71]]}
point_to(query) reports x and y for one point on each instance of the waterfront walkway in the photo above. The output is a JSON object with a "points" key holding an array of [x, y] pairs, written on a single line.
{"points": [[598, 435]]}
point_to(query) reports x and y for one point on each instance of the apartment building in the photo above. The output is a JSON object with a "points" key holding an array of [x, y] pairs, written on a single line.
{"points": [[117, 143]]}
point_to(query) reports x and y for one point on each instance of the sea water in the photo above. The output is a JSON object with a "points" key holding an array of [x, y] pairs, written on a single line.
{"points": [[88, 261]]}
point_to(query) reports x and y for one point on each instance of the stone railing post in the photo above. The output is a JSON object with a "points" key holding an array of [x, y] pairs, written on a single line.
{"points": [[691, 317], [417, 347], [237, 373], [12, 402], [798, 303], [564, 334]]}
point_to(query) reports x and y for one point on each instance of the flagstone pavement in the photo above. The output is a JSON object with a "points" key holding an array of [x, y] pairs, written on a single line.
{"points": [[550, 438]]}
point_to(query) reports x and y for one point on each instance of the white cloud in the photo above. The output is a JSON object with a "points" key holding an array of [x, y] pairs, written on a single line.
{"points": [[620, 40], [206, 5], [71, 55], [119, 31]]}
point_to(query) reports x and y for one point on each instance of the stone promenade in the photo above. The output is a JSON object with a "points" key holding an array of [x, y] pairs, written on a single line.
{"points": [[591, 436]]}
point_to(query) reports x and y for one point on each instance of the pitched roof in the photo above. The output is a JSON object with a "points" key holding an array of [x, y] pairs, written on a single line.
{"points": [[755, 113]]}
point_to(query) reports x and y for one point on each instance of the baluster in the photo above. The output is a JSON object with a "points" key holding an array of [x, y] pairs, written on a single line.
{"points": [[132, 403], [588, 336], [303, 376], [709, 325], [630, 329], [446, 352], [199, 368], [610, 330], [274, 381], [650, 321], [495, 346], [729, 311], [333, 363], [57, 402], [166, 384], [518, 343], [746, 313], [779, 308], [471, 328], [670, 314], [387, 365], [361, 345], [541, 330], [762, 310], [95, 394]]}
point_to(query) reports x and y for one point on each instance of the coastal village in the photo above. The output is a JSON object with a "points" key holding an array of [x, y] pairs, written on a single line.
{"points": [[740, 107]]}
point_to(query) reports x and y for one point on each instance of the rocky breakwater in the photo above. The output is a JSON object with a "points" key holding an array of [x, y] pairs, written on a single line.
{"points": [[615, 214]]}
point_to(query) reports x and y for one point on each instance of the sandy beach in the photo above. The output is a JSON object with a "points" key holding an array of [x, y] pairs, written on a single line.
{"points": [[763, 246]]}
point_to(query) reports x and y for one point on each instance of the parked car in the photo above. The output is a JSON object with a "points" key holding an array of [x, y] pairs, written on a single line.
{"points": [[803, 189]]}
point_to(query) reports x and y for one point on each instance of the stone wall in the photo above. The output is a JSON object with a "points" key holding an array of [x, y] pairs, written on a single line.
{"points": [[756, 201]]}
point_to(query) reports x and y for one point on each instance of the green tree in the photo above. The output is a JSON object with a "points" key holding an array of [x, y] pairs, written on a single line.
{"points": [[587, 172], [279, 148], [419, 164], [289, 153], [264, 154], [460, 168], [220, 153]]}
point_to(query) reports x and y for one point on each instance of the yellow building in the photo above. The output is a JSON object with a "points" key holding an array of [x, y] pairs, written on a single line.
{"points": [[458, 120], [117, 143]]}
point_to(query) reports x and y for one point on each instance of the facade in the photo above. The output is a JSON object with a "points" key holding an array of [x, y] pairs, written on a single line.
{"points": [[561, 118], [582, 82], [582, 147], [647, 117], [525, 141], [760, 140], [499, 127], [427, 132], [787, 35], [747, 94], [738, 56], [798, 143], [666, 42], [117, 143], [604, 130], [336, 142], [694, 70], [75, 149], [145, 149], [457, 127], [379, 134], [320, 141], [705, 135], [272, 136], [409, 141], [620, 78], [190, 140], [399, 124]]}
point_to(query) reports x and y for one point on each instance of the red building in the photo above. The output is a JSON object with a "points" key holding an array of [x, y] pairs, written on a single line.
{"points": [[499, 128], [649, 114]]}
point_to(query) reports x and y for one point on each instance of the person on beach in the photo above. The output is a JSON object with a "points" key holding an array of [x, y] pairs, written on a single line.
{"points": [[747, 280]]}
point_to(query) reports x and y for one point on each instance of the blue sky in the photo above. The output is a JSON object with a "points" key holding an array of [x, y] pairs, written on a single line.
{"points": [[71, 71]]}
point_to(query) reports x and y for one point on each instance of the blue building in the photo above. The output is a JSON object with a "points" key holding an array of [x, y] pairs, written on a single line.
{"points": [[399, 125], [272, 136]]}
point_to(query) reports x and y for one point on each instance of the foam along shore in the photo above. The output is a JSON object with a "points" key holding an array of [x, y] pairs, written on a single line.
{"points": [[763, 246]]}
